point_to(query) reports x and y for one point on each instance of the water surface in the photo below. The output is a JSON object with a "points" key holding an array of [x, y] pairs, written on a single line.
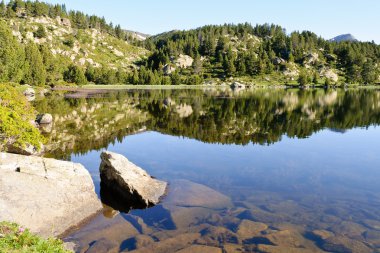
{"points": [[259, 171]]}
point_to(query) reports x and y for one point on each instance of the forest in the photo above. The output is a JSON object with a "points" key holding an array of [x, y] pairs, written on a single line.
{"points": [[218, 52]]}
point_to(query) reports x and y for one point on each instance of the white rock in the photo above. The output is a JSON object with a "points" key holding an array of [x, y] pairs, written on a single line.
{"points": [[45, 195]]}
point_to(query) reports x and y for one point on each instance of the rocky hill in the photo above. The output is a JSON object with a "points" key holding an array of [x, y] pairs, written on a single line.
{"points": [[261, 54], [84, 47]]}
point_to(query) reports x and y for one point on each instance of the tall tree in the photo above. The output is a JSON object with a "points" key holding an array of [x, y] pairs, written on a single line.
{"points": [[35, 70]]}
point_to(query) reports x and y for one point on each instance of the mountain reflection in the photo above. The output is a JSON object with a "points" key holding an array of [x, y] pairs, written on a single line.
{"points": [[260, 116]]}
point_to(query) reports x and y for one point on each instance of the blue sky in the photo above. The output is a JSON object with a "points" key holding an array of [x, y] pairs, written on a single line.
{"points": [[327, 18]]}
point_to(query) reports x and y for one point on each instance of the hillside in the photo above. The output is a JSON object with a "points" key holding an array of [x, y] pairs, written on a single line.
{"points": [[67, 46], [46, 44], [82, 46], [260, 54]]}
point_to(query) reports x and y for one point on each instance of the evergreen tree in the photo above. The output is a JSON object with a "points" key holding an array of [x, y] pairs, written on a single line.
{"points": [[41, 32], [12, 56], [303, 78], [74, 74], [35, 70]]}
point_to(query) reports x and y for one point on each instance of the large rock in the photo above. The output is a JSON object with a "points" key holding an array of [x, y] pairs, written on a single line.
{"points": [[184, 61], [184, 193], [30, 94], [133, 184], [44, 119], [45, 195]]}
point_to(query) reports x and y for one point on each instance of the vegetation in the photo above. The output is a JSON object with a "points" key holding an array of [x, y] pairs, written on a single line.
{"points": [[15, 239], [255, 54], [15, 117], [244, 50]]}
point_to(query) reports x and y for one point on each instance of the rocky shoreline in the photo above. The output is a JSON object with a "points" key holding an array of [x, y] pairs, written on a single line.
{"points": [[47, 196]]}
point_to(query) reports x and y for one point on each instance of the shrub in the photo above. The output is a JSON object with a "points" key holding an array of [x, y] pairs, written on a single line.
{"points": [[15, 117], [16, 239]]}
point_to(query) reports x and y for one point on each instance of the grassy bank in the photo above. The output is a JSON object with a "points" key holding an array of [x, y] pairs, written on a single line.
{"points": [[15, 239]]}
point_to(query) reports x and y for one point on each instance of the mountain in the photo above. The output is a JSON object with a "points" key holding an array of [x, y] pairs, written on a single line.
{"points": [[344, 37], [46, 44]]}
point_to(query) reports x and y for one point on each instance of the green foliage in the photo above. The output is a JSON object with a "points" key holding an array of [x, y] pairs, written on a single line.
{"points": [[245, 50], [75, 74], [15, 239], [41, 32], [69, 42], [15, 117], [303, 78], [11, 56], [35, 72]]}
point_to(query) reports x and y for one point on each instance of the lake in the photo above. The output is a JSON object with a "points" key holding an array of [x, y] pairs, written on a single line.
{"points": [[265, 170]]}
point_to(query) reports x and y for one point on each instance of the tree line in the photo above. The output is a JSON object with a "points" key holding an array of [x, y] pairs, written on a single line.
{"points": [[246, 50]]}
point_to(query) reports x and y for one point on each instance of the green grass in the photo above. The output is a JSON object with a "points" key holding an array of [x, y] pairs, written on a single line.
{"points": [[14, 239]]}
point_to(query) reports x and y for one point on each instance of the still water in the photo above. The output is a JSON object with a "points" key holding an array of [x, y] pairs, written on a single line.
{"points": [[258, 171]]}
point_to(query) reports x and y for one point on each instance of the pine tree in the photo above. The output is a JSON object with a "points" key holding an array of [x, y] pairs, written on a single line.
{"points": [[35, 71], [74, 74], [41, 32], [12, 56]]}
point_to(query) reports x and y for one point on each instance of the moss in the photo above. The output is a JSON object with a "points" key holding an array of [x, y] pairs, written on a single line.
{"points": [[14, 239], [15, 117]]}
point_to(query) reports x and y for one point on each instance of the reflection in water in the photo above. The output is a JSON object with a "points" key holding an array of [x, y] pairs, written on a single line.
{"points": [[316, 193], [214, 116]]}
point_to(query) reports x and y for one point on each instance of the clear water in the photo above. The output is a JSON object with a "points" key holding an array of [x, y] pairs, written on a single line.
{"points": [[304, 166]]}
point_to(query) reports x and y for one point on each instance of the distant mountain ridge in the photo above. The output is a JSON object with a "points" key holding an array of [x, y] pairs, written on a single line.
{"points": [[344, 37]]}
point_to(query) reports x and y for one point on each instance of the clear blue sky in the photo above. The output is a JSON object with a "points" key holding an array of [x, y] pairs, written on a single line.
{"points": [[327, 18]]}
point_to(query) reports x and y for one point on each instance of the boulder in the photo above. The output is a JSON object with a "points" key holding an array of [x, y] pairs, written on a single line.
{"points": [[184, 193], [237, 86], [45, 118], [278, 61], [129, 182], [329, 74], [47, 196], [66, 22], [184, 61], [30, 94], [311, 58]]}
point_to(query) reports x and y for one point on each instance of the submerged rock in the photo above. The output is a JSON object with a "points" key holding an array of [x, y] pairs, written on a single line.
{"points": [[185, 193], [45, 195], [133, 185]]}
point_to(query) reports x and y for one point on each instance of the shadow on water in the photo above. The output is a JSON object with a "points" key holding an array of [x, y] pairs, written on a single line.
{"points": [[118, 200]]}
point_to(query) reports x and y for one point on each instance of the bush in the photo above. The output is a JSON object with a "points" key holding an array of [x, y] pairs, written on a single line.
{"points": [[16, 239], [75, 74], [41, 32], [15, 117]]}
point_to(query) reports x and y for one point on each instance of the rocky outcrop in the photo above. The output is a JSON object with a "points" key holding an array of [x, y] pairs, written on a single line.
{"points": [[27, 150], [184, 61], [329, 74], [129, 183], [45, 195], [311, 58]]}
